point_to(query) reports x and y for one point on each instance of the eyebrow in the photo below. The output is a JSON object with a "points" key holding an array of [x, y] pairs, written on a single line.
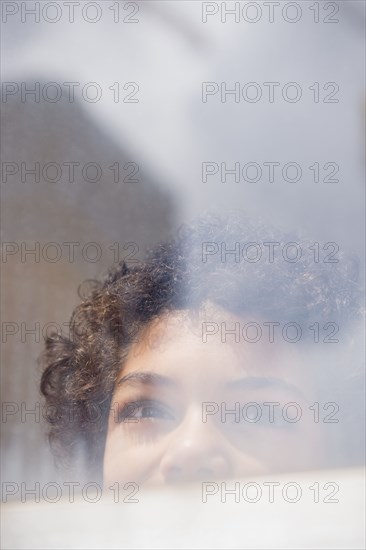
{"points": [[145, 378], [264, 382], [153, 379]]}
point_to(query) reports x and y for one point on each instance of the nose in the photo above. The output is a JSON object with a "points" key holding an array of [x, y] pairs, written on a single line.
{"points": [[196, 451]]}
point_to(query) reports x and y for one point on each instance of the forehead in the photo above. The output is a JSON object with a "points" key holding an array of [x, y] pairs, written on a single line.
{"points": [[201, 346]]}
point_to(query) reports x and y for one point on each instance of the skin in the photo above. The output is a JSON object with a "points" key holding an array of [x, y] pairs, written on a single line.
{"points": [[156, 431]]}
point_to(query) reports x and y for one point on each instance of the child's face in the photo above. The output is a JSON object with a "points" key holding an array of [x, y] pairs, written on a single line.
{"points": [[170, 419]]}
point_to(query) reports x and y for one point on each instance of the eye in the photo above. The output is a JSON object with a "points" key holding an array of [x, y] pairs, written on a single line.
{"points": [[261, 418], [144, 410], [278, 423], [251, 428]]}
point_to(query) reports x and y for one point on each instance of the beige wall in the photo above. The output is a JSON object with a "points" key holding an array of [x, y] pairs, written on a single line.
{"points": [[82, 212]]}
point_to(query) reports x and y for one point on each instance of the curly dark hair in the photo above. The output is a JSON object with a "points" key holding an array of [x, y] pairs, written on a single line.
{"points": [[80, 371]]}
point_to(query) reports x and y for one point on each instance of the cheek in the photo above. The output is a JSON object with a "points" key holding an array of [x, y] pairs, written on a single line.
{"points": [[127, 462], [272, 451], [300, 452]]}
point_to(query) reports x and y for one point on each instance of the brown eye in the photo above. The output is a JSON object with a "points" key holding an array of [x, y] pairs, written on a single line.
{"points": [[144, 410], [151, 412], [260, 417]]}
